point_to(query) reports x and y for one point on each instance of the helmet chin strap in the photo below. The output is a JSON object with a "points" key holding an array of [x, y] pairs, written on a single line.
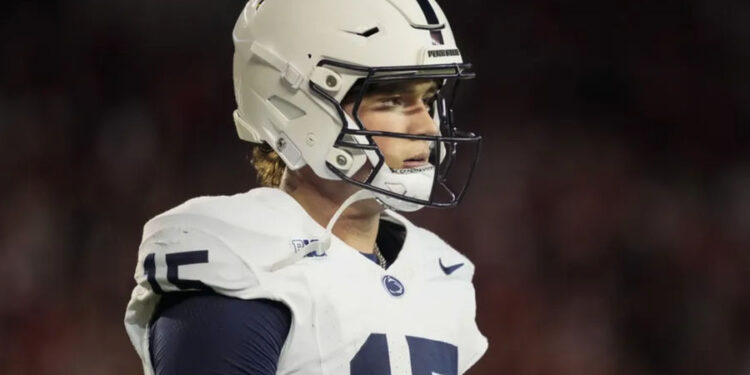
{"points": [[322, 245], [409, 182]]}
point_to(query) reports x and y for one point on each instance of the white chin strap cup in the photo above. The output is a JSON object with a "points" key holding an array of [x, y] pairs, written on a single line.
{"points": [[413, 183], [321, 246]]}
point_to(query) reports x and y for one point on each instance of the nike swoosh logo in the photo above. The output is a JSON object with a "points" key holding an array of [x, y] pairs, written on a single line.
{"points": [[450, 269]]}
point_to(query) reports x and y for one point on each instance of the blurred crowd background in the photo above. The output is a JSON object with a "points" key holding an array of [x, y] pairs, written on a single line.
{"points": [[609, 218]]}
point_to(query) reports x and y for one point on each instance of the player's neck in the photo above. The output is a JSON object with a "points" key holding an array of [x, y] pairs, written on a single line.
{"points": [[357, 226]]}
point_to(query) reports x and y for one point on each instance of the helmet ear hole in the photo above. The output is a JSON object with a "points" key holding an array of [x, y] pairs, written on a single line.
{"points": [[289, 110]]}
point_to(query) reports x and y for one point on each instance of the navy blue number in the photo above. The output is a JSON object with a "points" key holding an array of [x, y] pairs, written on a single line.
{"points": [[430, 356], [174, 261], [427, 357], [149, 266], [372, 358]]}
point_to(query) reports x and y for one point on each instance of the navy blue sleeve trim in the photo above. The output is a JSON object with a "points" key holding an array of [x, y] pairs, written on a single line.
{"points": [[205, 333]]}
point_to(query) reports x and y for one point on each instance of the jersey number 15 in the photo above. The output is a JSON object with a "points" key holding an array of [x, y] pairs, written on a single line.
{"points": [[428, 357]]}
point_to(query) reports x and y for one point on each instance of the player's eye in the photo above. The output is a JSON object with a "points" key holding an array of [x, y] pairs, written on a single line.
{"points": [[391, 101], [429, 100]]}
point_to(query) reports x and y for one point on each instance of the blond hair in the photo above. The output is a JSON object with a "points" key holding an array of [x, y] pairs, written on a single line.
{"points": [[268, 165]]}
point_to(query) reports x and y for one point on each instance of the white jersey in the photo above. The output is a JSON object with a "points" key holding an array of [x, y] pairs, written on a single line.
{"points": [[349, 316]]}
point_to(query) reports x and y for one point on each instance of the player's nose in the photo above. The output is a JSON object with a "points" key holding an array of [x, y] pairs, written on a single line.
{"points": [[420, 122]]}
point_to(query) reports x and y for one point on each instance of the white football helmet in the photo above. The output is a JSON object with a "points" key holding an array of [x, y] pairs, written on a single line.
{"points": [[296, 60]]}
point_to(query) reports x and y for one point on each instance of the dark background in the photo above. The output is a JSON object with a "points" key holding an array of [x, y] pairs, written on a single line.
{"points": [[609, 220]]}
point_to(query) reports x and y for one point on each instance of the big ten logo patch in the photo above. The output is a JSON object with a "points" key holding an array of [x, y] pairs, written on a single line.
{"points": [[309, 246]]}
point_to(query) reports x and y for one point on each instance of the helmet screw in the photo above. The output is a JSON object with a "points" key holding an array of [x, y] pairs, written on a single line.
{"points": [[341, 160], [280, 144], [310, 140], [331, 81]]}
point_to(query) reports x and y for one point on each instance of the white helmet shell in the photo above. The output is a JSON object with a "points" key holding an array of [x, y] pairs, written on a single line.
{"points": [[279, 50]]}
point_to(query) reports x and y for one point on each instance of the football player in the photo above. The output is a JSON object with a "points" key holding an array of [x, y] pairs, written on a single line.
{"points": [[350, 103]]}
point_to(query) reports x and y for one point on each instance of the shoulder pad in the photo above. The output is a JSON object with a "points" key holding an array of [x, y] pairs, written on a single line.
{"points": [[227, 244], [183, 258]]}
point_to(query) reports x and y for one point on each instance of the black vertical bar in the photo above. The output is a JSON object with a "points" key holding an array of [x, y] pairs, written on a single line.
{"points": [[149, 267]]}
